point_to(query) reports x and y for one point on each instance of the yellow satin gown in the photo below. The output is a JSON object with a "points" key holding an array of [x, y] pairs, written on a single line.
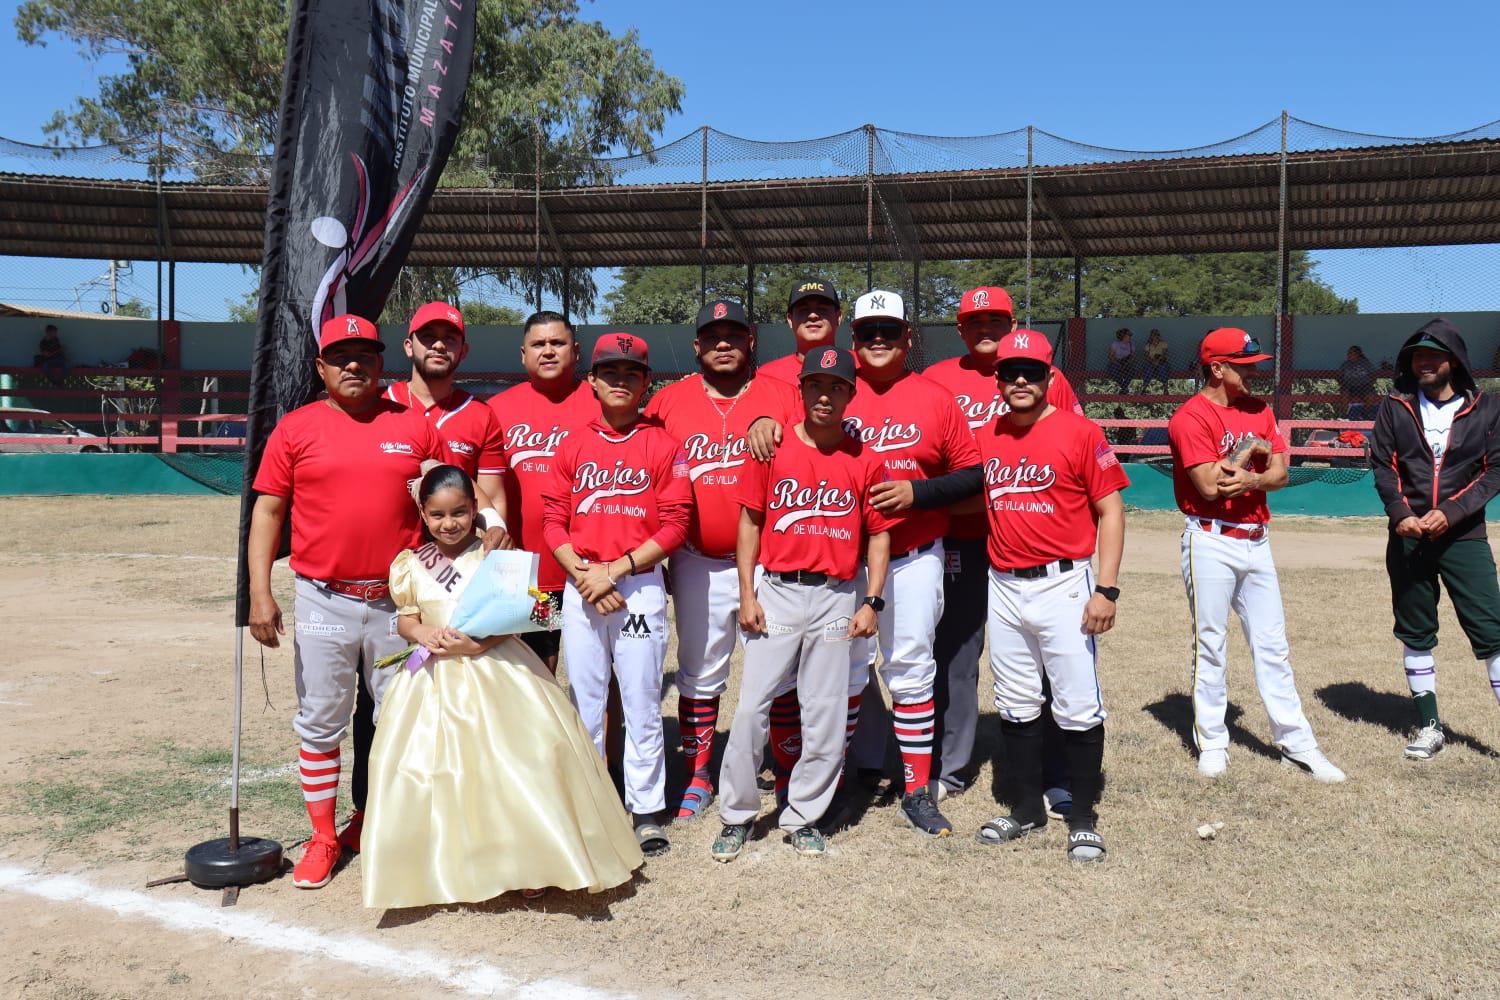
{"points": [[482, 777]]}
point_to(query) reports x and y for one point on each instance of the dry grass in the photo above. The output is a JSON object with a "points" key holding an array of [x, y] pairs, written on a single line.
{"points": [[114, 704]]}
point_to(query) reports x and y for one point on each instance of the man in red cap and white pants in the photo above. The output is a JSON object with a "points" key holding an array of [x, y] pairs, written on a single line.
{"points": [[985, 315], [1227, 454], [343, 464], [710, 413], [618, 505], [1052, 487]]}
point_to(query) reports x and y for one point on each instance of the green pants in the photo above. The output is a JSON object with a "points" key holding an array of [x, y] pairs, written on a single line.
{"points": [[1467, 569]]}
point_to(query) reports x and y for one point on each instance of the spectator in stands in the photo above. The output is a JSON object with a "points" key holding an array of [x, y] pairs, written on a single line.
{"points": [[1156, 361], [49, 357], [1124, 435], [1357, 381], [1122, 359]]}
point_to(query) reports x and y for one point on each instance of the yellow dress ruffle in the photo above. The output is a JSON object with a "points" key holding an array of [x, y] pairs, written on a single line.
{"points": [[482, 777]]}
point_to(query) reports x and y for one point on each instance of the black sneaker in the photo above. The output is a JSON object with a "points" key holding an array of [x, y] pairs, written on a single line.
{"points": [[922, 813]]}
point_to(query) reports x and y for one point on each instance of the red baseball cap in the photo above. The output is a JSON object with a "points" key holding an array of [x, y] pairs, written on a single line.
{"points": [[436, 312], [348, 327], [988, 298], [1231, 344], [1027, 344], [621, 347]]}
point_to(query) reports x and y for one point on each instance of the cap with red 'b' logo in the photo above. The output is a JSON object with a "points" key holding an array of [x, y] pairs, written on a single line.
{"points": [[722, 311], [829, 361], [348, 327], [621, 347]]}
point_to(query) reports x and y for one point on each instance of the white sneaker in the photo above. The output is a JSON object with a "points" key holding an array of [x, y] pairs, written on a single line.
{"points": [[1314, 763], [1427, 744], [1213, 763]]}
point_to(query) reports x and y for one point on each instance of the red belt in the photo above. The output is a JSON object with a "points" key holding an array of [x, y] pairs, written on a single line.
{"points": [[363, 591], [1250, 534]]}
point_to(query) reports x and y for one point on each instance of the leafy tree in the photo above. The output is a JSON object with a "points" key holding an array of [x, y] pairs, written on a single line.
{"points": [[205, 76], [490, 314], [134, 308]]}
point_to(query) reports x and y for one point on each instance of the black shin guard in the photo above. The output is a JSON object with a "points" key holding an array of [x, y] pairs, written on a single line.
{"points": [[1085, 752], [1023, 780]]}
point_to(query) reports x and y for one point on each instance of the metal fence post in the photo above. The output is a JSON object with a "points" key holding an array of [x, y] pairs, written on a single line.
{"points": [[536, 220], [869, 207], [703, 226], [1030, 163], [1281, 276]]}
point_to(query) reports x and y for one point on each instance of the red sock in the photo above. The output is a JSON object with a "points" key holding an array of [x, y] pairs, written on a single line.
{"points": [[320, 788], [786, 737], [913, 724], [697, 718]]}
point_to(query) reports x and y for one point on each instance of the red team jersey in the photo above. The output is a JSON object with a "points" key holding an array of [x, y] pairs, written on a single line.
{"points": [[467, 426], [914, 426], [787, 369], [712, 434], [980, 400], [816, 505], [348, 480], [611, 491], [533, 425], [1039, 486], [1203, 431]]}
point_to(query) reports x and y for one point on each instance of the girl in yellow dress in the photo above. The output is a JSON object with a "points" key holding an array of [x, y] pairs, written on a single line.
{"points": [[482, 777]]}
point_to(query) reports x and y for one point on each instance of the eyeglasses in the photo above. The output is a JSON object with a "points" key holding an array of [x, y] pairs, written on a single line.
{"points": [[1252, 347], [1011, 371], [866, 332]]}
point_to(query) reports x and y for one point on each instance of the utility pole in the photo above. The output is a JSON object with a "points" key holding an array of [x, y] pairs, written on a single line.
{"points": [[114, 288]]}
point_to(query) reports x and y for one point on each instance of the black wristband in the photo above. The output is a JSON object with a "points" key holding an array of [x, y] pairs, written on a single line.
{"points": [[1109, 593], [631, 557]]}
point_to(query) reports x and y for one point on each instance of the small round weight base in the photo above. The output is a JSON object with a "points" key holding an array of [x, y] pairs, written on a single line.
{"points": [[212, 865]]}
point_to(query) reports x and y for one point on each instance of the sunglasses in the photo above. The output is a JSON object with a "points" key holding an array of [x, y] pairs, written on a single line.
{"points": [[866, 332], [1012, 371], [1251, 348]]}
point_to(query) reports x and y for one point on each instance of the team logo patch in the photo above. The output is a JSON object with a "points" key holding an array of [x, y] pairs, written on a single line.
{"points": [[772, 628], [802, 502], [624, 344], [1105, 456], [397, 448], [836, 630], [1022, 477], [635, 626], [981, 299], [720, 310], [877, 301], [461, 447], [523, 443], [830, 358], [1023, 342], [598, 483]]}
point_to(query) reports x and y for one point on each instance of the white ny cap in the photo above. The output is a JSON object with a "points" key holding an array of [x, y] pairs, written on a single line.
{"points": [[878, 304]]}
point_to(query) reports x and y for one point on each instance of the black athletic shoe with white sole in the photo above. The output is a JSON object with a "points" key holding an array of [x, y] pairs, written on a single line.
{"points": [[922, 813]]}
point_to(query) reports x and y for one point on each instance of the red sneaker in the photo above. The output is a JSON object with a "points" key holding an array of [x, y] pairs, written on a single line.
{"points": [[349, 835], [315, 870]]}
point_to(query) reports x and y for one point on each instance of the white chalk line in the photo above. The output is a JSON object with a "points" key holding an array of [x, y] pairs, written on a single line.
{"points": [[118, 555], [366, 954]]}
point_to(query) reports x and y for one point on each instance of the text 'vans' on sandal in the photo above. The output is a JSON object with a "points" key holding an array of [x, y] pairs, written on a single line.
{"points": [[1005, 830], [1083, 843]]}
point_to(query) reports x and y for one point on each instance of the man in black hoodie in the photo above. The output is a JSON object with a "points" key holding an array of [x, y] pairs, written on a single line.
{"points": [[1436, 459]]}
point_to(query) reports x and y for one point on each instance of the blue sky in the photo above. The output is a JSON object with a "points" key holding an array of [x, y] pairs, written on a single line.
{"points": [[1140, 76]]}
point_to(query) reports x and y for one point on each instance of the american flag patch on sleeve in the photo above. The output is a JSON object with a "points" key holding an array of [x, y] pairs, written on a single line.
{"points": [[1105, 456]]}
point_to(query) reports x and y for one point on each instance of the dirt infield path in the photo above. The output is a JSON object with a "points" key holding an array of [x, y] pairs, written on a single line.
{"points": [[113, 759]]}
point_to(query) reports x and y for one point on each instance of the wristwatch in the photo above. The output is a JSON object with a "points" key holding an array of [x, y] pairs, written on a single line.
{"points": [[875, 601], [1109, 593]]}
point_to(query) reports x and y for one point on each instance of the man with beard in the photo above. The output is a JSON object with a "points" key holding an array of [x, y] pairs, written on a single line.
{"points": [[985, 315], [710, 413], [1436, 458]]}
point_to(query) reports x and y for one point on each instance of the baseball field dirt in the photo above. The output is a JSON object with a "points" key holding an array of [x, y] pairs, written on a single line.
{"points": [[114, 733]]}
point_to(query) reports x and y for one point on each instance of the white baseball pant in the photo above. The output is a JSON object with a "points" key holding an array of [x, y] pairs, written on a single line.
{"points": [[334, 637], [1221, 573], [632, 641], [1036, 625], [706, 605]]}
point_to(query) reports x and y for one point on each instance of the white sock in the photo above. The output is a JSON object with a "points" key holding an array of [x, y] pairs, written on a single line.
{"points": [[1493, 665], [1421, 670]]}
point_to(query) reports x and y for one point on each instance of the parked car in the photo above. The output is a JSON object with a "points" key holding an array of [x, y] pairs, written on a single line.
{"points": [[44, 432]]}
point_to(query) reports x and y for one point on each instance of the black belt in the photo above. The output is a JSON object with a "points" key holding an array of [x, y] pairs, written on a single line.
{"points": [[1036, 572], [810, 577], [911, 552]]}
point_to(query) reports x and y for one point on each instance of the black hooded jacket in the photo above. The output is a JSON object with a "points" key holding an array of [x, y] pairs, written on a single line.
{"points": [[1410, 482]]}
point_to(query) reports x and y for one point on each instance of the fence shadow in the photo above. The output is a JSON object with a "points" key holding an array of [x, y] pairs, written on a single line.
{"points": [[1359, 702], [1175, 712]]}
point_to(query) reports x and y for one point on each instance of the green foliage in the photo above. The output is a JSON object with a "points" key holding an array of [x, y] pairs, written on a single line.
{"points": [[206, 77], [490, 314], [1181, 285], [134, 308]]}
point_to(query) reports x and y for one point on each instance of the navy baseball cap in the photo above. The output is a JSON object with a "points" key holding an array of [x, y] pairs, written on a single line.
{"points": [[722, 311], [828, 361], [809, 288]]}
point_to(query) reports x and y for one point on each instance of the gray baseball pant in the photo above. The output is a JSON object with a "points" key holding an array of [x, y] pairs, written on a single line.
{"points": [[807, 630], [335, 638]]}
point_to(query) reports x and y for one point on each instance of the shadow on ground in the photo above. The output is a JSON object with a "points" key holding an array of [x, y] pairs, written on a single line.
{"points": [[1175, 712], [1359, 702]]}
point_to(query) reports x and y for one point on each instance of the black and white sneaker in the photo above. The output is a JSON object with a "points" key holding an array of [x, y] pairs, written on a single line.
{"points": [[922, 813], [1426, 745]]}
